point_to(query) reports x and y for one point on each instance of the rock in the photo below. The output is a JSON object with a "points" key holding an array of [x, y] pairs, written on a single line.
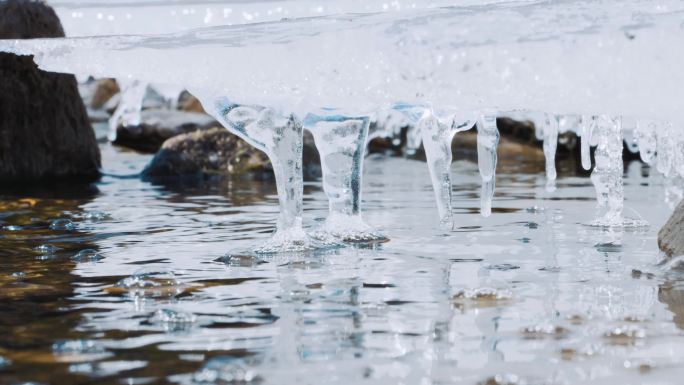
{"points": [[671, 235], [44, 127], [105, 89], [218, 152], [159, 125], [206, 152], [187, 102]]}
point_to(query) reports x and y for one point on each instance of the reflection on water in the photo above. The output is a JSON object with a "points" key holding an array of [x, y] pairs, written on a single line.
{"points": [[129, 283]]}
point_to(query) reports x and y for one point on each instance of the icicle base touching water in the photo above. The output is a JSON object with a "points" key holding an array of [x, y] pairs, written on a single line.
{"points": [[341, 144], [607, 175], [128, 112], [487, 142], [280, 136]]}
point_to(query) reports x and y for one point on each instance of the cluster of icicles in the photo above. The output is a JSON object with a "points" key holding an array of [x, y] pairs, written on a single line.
{"points": [[341, 141]]}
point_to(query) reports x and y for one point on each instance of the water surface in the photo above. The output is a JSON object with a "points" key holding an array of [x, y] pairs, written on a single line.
{"points": [[529, 295]]}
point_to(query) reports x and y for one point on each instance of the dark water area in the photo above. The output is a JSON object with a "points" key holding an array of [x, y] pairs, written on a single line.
{"points": [[123, 282]]}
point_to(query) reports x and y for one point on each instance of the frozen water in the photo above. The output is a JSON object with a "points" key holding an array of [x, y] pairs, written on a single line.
{"points": [[599, 61]]}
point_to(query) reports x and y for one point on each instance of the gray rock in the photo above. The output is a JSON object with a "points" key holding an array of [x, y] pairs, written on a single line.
{"points": [[206, 152], [671, 235], [159, 125], [44, 128]]}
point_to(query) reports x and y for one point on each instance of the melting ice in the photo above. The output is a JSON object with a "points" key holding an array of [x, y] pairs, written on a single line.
{"points": [[444, 68]]}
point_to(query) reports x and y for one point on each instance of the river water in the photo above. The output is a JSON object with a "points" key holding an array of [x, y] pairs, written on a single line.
{"points": [[529, 295]]}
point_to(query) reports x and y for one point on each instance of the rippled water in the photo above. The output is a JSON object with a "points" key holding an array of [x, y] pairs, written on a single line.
{"points": [[125, 283]]}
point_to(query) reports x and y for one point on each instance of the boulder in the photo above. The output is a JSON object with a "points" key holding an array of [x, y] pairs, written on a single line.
{"points": [[187, 102], [158, 125], [671, 235], [44, 128], [216, 151], [206, 152], [104, 90]]}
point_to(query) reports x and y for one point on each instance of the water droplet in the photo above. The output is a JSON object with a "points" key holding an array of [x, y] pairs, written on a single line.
{"points": [[152, 282], [609, 247], [227, 370], [545, 330], [4, 362], [79, 351], [625, 335], [96, 216], [62, 225], [173, 320], [503, 379], [47, 249], [87, 255], [12, 228]]}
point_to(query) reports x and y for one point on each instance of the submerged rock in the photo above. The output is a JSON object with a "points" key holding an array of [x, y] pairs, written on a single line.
{"points": [[44, 126], [671, 235], [158, 125], [206, 152]]}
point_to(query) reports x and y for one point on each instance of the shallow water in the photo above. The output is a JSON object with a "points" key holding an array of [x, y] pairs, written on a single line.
{"points": [[526, 296]]}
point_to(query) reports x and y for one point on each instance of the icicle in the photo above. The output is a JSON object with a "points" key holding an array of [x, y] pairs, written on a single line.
{"points": [[665, 147], [645, 136], [413, 115], [341, 143], [550, 145], [280, 136], [487, 142], [584, 131], [607, 175], [437, 135], [128, 111]]}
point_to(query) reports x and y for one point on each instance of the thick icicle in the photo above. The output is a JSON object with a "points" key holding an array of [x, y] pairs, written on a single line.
{"points": [[280, 137], [130, 106], [487, 142], [607, 175], [341, 143], [550, 145], [584, 131]]}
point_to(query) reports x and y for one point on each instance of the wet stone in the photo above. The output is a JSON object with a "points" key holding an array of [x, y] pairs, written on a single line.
{"points": [[62, 225]]}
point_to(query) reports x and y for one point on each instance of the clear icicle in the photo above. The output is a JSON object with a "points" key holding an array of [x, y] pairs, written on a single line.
{"points": [[280, 136], [666, 147], [487, 142], [645, 136], [584, 131], [128, 111], [341, 143], [437, 139], [437, 134], [550, 145], [607, 176]]}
